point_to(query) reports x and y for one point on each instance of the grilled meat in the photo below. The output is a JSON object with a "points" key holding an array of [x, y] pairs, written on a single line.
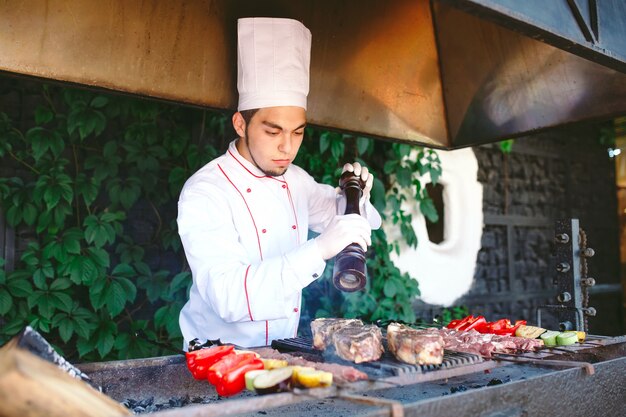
{"points": [[485, 344], [415, 347], [323, 330], [358, 343]]}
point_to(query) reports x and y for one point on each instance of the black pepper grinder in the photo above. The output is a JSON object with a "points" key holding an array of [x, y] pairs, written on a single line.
{"points": [[349, 270]]}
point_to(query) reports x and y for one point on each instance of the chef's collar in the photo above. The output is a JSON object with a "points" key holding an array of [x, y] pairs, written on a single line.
{"points": [[245, 164]]}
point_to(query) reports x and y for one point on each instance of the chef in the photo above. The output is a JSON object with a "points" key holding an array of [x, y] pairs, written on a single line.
{"points": [[244, 218]]}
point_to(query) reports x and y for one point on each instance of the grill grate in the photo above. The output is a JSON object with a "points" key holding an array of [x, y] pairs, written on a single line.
{"points": [[387, 365]]}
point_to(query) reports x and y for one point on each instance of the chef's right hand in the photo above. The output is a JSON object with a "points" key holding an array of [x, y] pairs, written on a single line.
{"points": [[342, 231]]}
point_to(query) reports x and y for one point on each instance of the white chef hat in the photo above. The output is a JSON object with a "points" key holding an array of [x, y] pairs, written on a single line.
{"points": [[272, 63]]}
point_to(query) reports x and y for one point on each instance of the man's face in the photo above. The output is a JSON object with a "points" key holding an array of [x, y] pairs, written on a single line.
{"points": [[272, 138]]}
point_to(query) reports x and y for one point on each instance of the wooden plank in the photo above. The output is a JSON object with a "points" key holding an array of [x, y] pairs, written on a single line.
{"points": [[33, 387]]}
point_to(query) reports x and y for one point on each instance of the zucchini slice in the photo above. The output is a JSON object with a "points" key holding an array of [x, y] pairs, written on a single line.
{"points": [[251, 376], [549, 338], [276, 380], [581, 335], [566, 338]]}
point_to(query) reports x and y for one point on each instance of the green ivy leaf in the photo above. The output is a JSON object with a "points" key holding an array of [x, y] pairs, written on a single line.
{"points": [[99, 256], [84, 346], [363, 144], [66, 329], [98, 231], [125, 191], [155, 284], [14, 216], [13, 326], [337, 148], [176, 179], [404, 176], [60, 284], [124, 270], [29, 213], [390, 289], [105, 337], [87, 188], [99, 101], [127, 288], [129, 252], [103, 166], [6, 302], [98, 293], [180, 281], [43, 115], [324, 142], [39, 279], [390, 166], [17, 285], [115, 297], [428, 209], [60, 300], [44, 140], [82, 270], [167, 317]]}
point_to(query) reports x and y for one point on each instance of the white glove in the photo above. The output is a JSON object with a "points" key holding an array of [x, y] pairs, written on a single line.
{"points": [[366, 177], [342, 231], [371, 215]]}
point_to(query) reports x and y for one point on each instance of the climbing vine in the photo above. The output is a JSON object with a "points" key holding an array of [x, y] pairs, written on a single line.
{"points": [[92, 191]]}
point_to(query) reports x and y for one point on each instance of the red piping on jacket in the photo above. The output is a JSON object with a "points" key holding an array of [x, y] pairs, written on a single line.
{"points": [[248, 207], [257, 238], [245, 287], [252, 173]]}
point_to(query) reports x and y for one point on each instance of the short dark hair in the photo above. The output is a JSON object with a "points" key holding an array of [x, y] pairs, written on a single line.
{"points": [[248, 115]]}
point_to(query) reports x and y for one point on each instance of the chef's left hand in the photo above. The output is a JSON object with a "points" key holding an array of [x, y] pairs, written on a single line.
{"points": [[366, 177], [367, 210]]}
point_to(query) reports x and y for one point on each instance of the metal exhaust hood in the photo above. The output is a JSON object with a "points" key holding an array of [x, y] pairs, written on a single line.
{"points": [[442, 73]]}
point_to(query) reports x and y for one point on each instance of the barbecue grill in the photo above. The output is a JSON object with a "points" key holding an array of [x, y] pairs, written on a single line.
{"points": [[386, 366], [581, 380]]}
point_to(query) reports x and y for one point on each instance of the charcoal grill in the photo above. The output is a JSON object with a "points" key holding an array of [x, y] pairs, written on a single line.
{"points": [[387, 365], [458, 386], [464, 384]]}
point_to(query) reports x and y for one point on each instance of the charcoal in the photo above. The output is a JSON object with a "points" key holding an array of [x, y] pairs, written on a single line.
{"points": [[147, 405]]}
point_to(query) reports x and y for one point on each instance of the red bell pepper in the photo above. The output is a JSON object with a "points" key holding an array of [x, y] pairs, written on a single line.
{"points": [[458, 324], [453, 323], [226, 364], [504, 327], [517, 324], [501, 327], [199, 361], [477, 322], [235, 380]]}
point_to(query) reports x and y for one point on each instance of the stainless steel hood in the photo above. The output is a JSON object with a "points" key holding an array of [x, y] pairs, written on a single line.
{"points": [[443, 73]]}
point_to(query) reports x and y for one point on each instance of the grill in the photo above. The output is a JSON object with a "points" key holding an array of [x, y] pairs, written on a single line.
{"points": [[386, 366]]}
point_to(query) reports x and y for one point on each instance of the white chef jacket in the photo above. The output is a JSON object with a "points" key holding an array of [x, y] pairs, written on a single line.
{"points": [[245, 238]]}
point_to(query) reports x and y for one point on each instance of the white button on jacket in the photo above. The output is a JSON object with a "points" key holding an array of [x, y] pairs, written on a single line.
{"points": [[245, 238]]}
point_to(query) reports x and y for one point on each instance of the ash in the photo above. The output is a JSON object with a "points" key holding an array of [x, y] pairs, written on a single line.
{"points": [[149, 406]]}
